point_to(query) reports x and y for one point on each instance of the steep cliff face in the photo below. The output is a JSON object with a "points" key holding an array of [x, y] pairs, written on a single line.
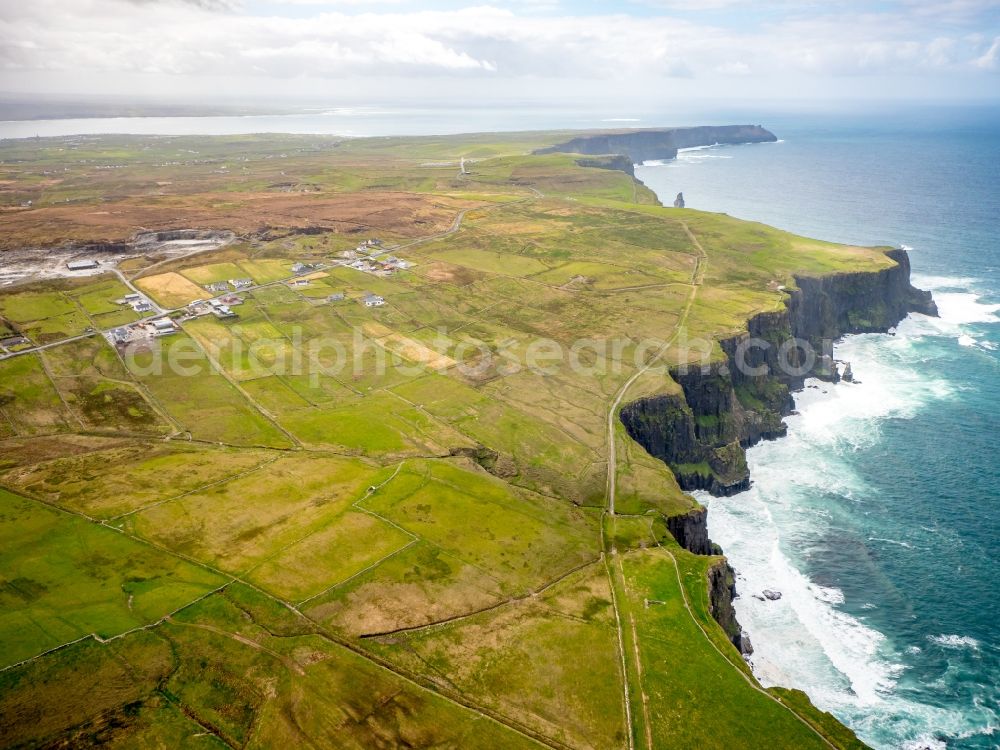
{"points": [[702, 432], [691, 531], [609, 161], [732, 404], [721, 592], [659, 143]]}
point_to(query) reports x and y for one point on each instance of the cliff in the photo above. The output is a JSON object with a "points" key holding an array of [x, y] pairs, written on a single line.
{"points": [[721, 592], [735, 402], [659, 143], [703, 432], [609, 161]]}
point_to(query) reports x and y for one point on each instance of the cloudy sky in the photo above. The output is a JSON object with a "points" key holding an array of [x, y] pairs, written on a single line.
{"points": [[533, 50]]}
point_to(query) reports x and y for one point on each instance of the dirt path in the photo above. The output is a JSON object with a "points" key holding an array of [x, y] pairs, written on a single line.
{"points": [[751, 681], [616, 574], [697, 277]]}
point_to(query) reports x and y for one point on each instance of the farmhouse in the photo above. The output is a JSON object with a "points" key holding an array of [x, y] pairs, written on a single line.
{"points": [[298, 268], [14, 341], [141, 306], [335, 297], [81, 265], [372, 300], [241, 283], [217, 286]]}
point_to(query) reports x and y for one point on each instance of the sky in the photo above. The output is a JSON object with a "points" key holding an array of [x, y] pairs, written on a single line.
{"points": [[541, 51]]}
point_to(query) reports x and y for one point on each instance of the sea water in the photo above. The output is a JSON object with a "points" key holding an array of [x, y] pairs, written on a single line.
{"points": [[878, 516]]}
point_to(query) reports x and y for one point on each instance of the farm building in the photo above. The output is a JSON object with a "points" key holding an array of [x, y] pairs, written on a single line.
{"points": [[372, 300], [81, 265], [241, 283], [220, 310], [217, 286], [164, 327]]}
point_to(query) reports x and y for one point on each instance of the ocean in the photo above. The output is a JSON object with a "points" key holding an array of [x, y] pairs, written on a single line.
{"points": [[878, 517]]}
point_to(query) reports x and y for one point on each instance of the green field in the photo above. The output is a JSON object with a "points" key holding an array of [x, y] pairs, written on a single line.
{"points": [[64, 578], [319, 524]]}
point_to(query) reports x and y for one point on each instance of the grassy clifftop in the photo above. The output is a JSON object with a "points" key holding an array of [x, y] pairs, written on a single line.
{"points": [[414, 524]]}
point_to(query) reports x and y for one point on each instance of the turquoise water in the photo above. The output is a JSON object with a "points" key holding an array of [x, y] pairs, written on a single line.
{"points": [[878, 517]]}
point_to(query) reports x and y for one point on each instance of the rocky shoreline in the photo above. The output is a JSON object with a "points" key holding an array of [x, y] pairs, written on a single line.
{"points": [[723, 408]]}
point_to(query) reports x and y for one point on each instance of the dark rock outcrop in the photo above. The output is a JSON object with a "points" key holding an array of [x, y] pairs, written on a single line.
{"points": [[691, 531], [659, 143], [731, 404], [96, 248], [721, 592], [493, 461], [609, 161], [679, 201], [144, 239]]}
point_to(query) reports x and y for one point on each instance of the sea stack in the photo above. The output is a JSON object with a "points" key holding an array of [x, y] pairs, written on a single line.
{"points": [[679, 201]]}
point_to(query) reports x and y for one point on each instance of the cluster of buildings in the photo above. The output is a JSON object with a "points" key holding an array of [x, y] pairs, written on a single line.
{"points": [[221, 307], [300, 268], [137, 302], [380, 266], [142, 330], [225, 286]]}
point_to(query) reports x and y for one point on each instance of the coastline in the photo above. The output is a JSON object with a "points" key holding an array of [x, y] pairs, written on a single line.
{"points": [[823, 635], [831, 308], [913, 666]]}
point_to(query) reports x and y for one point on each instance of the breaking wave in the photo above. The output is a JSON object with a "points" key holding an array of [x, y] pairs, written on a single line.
{"points": [[802, 484]]}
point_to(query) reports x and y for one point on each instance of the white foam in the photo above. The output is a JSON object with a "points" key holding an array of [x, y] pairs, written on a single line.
{"points": [[955, 641], [696, 148], [890, 541], [963, 308], [925, 742], [966, 340], [805, 639], [963, 283], [803, 633]]}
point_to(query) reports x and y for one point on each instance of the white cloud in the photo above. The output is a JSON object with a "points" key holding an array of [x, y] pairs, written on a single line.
{"points": [[114, 39], [990, 60]]}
